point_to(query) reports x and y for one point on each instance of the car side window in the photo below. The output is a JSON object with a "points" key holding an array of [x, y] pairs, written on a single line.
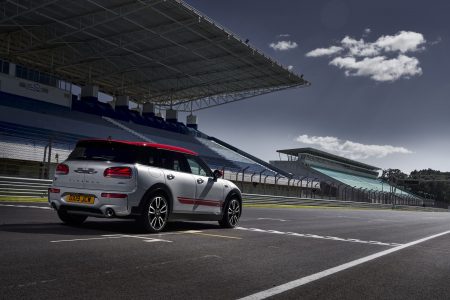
{"points": [[197, 168], [174, 161], [149, 157]]}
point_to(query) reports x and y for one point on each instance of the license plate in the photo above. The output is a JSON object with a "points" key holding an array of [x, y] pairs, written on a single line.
{"points": [[85, 199]]}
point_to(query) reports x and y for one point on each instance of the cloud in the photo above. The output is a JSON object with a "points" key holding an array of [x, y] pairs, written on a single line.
{"points": [[367, 31], [436, 41], [284, 35], [290, 67], [359, 47], [283, 45], [384, 59], [404, 41], [324, 51], [379, 68], [351, 149]]}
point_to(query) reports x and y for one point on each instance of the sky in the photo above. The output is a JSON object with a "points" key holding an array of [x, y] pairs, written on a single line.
{"points": [[380, 79]]}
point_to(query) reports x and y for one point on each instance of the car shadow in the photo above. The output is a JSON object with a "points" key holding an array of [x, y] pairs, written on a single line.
{"points": [[96, 227]]}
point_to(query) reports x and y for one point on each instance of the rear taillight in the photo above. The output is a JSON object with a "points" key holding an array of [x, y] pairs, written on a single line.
{"points": [[62, 169], [54, 191], [118, 172], [114, 195]]}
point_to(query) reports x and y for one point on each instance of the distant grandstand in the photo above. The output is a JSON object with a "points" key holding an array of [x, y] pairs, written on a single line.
{"points": [[344, 178]]}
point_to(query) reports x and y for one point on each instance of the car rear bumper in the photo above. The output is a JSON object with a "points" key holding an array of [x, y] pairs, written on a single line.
{"points": [[101, 207]]}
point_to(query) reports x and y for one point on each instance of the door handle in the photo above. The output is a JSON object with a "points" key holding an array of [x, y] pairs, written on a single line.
{"points": [[199, 181], [170, 177]]}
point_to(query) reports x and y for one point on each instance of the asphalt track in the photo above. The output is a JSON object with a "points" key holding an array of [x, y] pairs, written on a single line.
{"points": [[275, 253]]}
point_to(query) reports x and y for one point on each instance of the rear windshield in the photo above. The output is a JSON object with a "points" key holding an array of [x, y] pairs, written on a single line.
{"points": [[109, 151]]}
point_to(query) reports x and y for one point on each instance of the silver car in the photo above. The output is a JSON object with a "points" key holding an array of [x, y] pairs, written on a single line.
{"points": [[152, 183]]}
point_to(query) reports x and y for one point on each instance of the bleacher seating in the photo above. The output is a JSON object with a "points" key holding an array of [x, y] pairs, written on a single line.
{"points": [[360, 182], [29, 143], [123, 113], [32, 122]]}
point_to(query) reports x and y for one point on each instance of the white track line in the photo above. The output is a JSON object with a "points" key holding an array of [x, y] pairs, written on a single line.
{"points": [[114, 236], [26, 206], [87, 239], [302, 281], [315, 236]]}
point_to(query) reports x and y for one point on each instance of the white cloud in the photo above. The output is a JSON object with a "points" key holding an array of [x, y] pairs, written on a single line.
{"points": [[404, 41], [367, 31], [359, 47], [379, 68], [382, 60], [290, 67], [351, 149], [284, 35], [324, 51], [283, 45]]}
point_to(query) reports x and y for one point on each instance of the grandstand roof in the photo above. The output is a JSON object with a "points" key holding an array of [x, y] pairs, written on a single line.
{"points": [[152, 50], [326, 155]]}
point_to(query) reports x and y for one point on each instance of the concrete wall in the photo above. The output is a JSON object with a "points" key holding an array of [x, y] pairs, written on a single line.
{"points": [[34, 90], [276, 190]]}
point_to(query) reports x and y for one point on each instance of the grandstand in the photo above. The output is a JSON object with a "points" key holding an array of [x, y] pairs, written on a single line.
{"points": [[60, 60], [345, 178]]}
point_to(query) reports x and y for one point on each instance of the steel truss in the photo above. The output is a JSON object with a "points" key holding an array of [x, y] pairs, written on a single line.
{"points": [[183, 59]]}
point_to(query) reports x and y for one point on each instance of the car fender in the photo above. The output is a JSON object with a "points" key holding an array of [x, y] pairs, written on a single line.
{"points": [[157, 187], [235, 192]]}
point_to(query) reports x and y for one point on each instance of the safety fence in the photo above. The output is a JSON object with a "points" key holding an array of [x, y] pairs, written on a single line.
{"points": [[268, 200], [23, 187], [315, 188], [29, 187]]}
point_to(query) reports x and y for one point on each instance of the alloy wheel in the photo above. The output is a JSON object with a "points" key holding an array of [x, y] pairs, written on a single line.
{"points": [[234, 212], [157, 213]]}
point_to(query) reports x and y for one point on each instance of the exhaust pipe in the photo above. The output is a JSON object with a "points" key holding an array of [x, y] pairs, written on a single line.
{"points": [[109, 212]]}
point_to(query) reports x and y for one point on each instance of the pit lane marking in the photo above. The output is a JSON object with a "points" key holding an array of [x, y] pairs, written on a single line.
{"points": [[114, 236], [315, 236], [276, 290], [197, 232]]}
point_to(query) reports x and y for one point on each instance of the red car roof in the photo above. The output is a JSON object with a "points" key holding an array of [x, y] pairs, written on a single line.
{"points": [[145, 144]]}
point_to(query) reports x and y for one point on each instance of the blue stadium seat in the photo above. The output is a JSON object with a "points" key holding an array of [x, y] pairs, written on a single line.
{"points": [[89, 111]]}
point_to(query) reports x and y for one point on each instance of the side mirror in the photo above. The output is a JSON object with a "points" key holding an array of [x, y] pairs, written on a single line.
{"points": [[217, 174]]}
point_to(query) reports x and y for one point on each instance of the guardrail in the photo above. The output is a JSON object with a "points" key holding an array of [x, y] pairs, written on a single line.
{"points": [[23, 187], [254, 199], [29, 187]]}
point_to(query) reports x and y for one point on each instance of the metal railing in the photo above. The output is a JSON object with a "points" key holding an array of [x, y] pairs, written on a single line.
{"points": [[252, 199], [313, 187], [23, 187], [36, 157]]}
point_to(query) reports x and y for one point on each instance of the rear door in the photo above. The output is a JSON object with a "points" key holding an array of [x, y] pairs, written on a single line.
{"points": [[208, 192], [179, 180]]}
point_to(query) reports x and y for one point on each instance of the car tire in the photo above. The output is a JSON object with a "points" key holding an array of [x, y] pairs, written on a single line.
{"points": [[231, 214], [71, 219], [155, 214]]}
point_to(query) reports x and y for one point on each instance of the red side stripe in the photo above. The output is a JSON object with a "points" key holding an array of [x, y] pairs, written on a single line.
{"points": [[203, 202]]}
